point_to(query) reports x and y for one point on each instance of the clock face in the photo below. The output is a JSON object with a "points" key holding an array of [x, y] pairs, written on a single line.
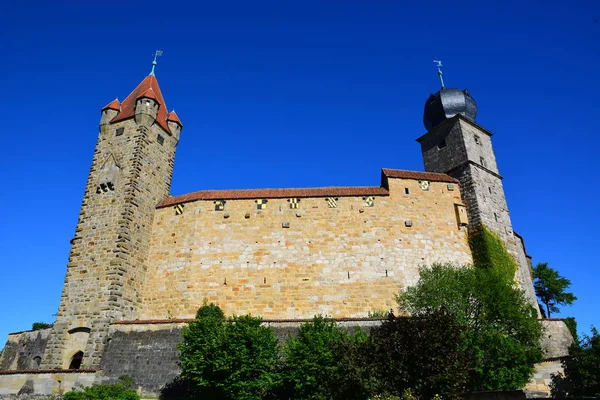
{"points": [[424, 185]]}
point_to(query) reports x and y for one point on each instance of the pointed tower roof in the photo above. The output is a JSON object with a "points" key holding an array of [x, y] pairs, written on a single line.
{"points": [[173, 117], [149, 94], [113, 105], [146, 88]]}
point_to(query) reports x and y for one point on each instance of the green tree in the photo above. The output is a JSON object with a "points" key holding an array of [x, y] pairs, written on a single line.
{"points": [[231, 358], [551, 288], [425, 353], [320, 363], [581, 370], [499, 331], [40, 325]]}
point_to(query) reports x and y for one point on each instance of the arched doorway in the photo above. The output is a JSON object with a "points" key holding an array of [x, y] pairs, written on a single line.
{"points": [[76, 360]]}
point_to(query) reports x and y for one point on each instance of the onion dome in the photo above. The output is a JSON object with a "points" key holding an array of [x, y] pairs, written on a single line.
{"points": [[447, 103]]}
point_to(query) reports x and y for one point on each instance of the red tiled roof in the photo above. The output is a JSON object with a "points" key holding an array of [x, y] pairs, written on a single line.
{"points": [[247, 194], [174, 118], [128, 105], [113, 105], [429, 176], [149, 94], [332, 191]]}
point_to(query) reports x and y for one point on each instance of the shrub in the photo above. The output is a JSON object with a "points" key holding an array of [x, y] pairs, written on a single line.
{"points": [[103, 392], [321, 363], [423, 354], [40, 325], [231, 358]]}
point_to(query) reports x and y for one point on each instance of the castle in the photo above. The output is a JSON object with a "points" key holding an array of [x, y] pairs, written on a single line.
{"points": [[143, 261]]}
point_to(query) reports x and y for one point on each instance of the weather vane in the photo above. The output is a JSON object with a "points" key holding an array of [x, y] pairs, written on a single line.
{"points": [[157, 54], [438, 63]]}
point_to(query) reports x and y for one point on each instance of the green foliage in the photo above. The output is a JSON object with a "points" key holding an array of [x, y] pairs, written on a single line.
{"points": [[581, 369], [489, 252], [503, 339], [40, 325], [378, 313], [105, 391], [571, 324], [551, 288], [231, 358], [425, 352], [322, 362]]}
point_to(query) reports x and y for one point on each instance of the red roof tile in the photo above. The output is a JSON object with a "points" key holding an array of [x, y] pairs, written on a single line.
{"points": [[429, 176], [128, 105], [174, 118], [247, 194], [149, 94], [113, 105], [333, 191]]}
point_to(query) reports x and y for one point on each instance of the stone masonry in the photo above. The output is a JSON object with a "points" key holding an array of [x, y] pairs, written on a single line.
{"points": [[462, 149], [131, 172], [345, 261]]}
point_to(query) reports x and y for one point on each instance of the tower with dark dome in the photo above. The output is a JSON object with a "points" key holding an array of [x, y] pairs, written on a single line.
{"points": [[456, 145]]}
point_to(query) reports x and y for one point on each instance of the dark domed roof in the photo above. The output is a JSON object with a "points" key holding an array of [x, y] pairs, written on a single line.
{"points": [[446, 104]]}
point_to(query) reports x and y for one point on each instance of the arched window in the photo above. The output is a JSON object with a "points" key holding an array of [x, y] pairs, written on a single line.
{"points": [[76, 360]]}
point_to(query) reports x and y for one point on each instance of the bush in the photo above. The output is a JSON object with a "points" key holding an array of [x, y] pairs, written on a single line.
{"points": [[425, 352], [581, 370], [105, 392], [231, 358], [320, 362], [40, 325]]}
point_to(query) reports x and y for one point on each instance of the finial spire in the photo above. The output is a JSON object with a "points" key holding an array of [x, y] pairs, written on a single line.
{"points": [[156, 54], [438, 63]]}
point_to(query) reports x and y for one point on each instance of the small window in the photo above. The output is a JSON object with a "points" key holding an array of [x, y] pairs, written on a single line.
{"points": [[119, 131], [477, 140], [496, 217], [490, 189], [482, 162], [160, 139], [406, 191], [442, 144]]}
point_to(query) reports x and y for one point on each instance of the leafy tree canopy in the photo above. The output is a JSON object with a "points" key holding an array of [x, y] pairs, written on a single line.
{"points": [[551, 288], [424, 353], [499, 330], [581, 370], [231, 358], [320, 363]]}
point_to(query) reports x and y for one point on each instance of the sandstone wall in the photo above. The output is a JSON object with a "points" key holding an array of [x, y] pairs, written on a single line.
{"points": [[43, 383], [24, 350], [343, 262]]}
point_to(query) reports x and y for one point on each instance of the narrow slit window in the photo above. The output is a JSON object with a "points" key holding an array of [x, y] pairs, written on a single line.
{"points": [[160, 139], [477, 140], [406, 191]]}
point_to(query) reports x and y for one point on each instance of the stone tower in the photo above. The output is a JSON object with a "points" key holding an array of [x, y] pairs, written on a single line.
{"points": [[459, 147], [130, 174]]}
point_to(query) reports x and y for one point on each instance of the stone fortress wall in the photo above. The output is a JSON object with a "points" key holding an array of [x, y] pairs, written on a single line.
{"points": [[342, 260]]}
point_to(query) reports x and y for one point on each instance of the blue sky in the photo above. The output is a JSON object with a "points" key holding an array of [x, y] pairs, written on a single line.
{"points": [[297, 94]]}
